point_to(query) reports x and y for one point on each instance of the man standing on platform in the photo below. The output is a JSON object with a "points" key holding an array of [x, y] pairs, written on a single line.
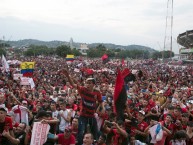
{"points": [[89, 98]]}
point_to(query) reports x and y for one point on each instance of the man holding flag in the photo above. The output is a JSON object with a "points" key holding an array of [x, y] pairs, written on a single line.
{"points": [[120, 92]]}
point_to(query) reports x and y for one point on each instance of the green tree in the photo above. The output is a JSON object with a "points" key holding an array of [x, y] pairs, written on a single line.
{"points": [[63, 50], [3, 45], [110, 53], [101, 47], [156, 55], [93, 53], [76, 52], [2, 52], [35, 50], [168, 53], [30, 52]]}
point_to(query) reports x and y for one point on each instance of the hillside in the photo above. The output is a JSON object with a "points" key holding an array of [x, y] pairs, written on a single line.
{"points": [[55, 43]]}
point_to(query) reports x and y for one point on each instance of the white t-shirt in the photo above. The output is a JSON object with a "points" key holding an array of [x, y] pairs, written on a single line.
{"points": [[178, 142], [54, 99], [55, 114], [137, 142], [63, 122]]}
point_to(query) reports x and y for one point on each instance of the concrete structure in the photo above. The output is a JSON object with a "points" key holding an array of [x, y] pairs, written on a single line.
{"points": [[83, 49], [186, 41]]}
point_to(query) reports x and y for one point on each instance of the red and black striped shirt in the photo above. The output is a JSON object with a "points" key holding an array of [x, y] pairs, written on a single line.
{"points": [[88, 101]]}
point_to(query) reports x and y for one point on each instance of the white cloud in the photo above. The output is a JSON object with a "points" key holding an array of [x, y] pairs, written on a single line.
{"points": [[116, 21]]}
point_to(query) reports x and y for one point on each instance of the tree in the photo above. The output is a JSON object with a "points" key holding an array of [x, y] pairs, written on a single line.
{"points": [[2, 45], [76, 52], [93, 53], [2, 52], [63, 50], [156, 55], [35, 50], [168, 54], [110, 53], [101, 47]]}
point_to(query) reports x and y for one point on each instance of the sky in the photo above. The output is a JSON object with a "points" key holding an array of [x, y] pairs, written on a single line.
{"points": [[121, 22]]}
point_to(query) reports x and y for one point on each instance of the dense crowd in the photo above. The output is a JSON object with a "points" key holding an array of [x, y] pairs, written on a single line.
{"points": [[76, 100]]}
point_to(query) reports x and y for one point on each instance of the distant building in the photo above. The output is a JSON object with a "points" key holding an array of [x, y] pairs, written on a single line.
{"points": [[71, 43], [83, 49]]}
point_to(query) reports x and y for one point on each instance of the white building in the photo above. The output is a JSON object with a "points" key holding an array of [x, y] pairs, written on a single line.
{"points": [[83, 49]]}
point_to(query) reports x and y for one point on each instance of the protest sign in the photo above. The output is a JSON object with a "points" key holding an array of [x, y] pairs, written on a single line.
{"points": [[17, 76], [39, 133]]}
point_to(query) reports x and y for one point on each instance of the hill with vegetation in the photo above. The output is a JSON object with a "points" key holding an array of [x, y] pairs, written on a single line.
{"points": [[55, 44]]}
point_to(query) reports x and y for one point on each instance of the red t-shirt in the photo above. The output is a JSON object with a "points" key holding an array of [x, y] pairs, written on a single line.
{"points": [[6, 125], [171, 128], [152, 104], [74, 131], [63, 141], [117, 138], [141, 127]]}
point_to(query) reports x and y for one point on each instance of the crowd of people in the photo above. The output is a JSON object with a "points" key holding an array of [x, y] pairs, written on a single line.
{"points": [[77, 100]]}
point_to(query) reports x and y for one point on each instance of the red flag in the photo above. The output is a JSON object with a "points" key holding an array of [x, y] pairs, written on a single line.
{"points": [[120, 96], [105, 56], [125, 72], [118, 86]]}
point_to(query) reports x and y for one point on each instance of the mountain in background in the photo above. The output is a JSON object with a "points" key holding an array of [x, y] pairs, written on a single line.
{"points": [[128, 47], [55, 43]]}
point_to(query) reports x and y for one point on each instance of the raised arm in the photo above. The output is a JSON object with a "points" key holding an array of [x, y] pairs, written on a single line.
{"points": [[67, 75]]}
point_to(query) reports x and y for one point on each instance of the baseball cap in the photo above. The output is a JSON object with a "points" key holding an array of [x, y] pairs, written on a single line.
{"points": [[3, 108], [91, 79], [142, 112], [24, 102], [161, 92]]}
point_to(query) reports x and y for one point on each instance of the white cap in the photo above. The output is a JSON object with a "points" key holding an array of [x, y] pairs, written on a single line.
{"points": [[2, 107], [161, 91], [142, 112]]}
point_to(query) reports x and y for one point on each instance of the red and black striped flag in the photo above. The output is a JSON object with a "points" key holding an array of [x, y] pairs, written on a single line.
{"points": [[120, 96]]}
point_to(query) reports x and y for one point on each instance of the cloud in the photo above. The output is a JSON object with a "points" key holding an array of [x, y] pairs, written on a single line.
{"points": [[115, 21]]}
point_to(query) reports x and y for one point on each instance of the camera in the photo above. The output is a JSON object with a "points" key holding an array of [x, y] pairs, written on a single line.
{"points": [[134, 122], [109, 124]]}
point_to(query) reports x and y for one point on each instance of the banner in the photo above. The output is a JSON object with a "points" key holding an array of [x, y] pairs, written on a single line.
{"points": [[17, 76], [24, 81], [31, 82], [14, 62], [27, 82], [39, 133]]}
